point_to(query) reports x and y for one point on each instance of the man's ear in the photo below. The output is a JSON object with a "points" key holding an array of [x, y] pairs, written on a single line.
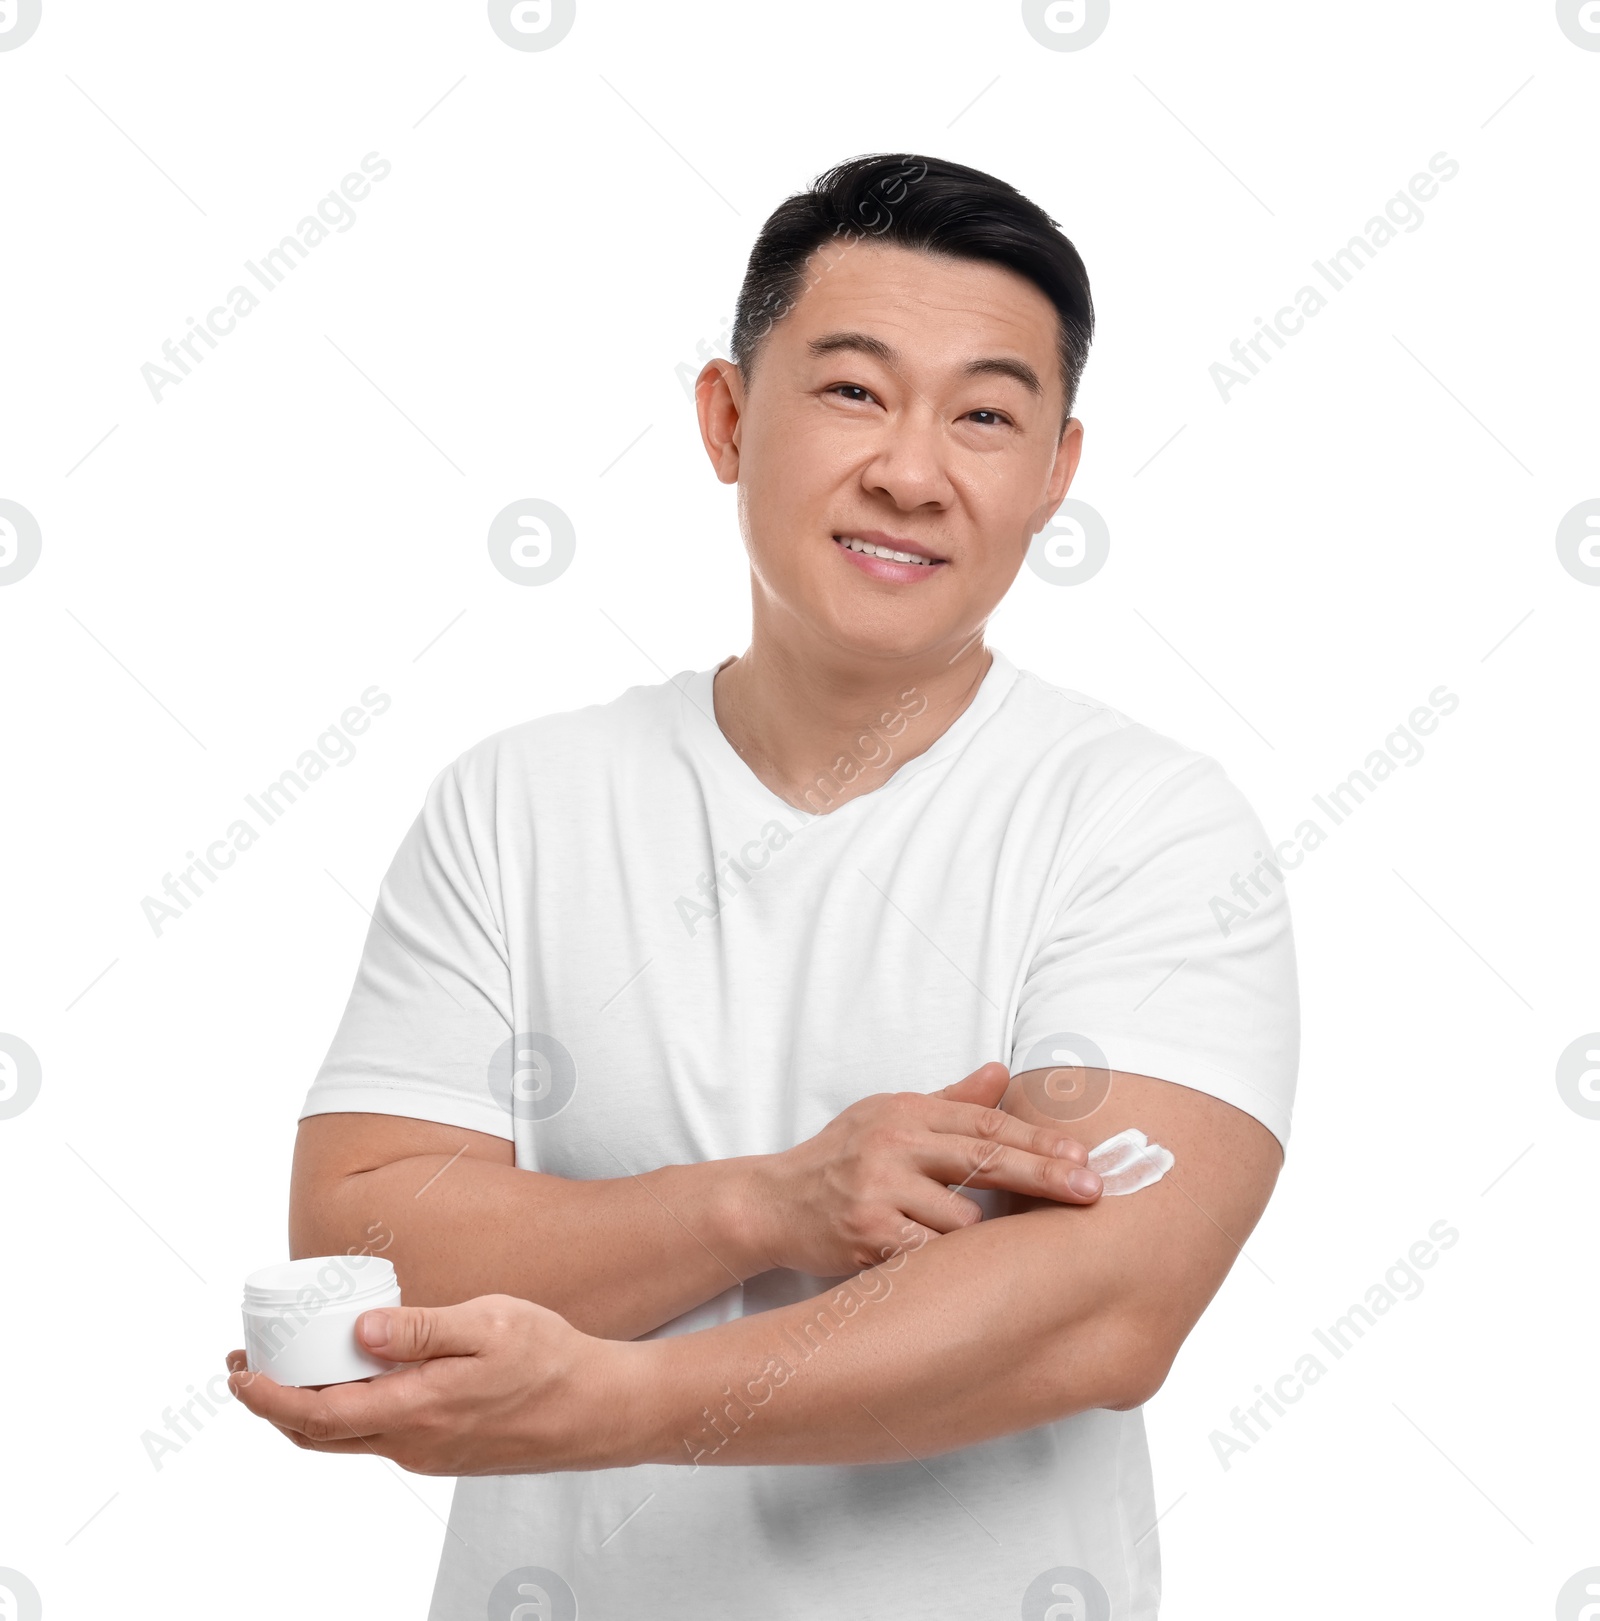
{"points": [[719, 403], [1068, 454]]}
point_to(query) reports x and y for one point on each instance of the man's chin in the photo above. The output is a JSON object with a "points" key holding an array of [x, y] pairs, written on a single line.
{"points": [[888, 637]]}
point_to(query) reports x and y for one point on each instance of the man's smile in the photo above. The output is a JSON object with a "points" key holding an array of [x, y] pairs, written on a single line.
{"points": [[888, 557]]}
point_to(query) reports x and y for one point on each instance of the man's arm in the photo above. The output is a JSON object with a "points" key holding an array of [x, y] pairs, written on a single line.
{"points": [[616, 1257], [978, 1332], [619, 1256], [984, 1331]]}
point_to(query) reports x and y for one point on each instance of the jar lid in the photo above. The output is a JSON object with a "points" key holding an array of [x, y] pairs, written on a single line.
{"points": [[319, 1280]]}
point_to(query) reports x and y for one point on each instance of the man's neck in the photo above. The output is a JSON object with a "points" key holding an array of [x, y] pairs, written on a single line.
{"points": [[819, 732]]}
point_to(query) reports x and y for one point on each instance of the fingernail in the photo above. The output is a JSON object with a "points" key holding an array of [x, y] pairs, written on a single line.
{"points": [[375, 1328], [1084, 1182], [1065, 1147]]}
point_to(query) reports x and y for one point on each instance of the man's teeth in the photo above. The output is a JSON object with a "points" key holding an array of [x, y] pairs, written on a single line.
{"points": [[880, 551]]}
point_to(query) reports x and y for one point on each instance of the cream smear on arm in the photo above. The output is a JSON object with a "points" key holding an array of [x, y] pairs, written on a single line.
{"points": [[1129, 1161]]}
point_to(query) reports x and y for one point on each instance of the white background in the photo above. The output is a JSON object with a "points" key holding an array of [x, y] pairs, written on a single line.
{"points": [[1291, 573]]}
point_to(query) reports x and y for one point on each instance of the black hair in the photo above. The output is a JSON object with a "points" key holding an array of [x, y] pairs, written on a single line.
{"points": [[925, 204]]}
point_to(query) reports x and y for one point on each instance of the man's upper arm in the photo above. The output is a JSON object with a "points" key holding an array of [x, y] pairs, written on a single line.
{"points": [[1142, 1267]]}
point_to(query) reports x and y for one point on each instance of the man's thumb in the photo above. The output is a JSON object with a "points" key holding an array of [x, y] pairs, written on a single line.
{"points": [[413, 1333]]}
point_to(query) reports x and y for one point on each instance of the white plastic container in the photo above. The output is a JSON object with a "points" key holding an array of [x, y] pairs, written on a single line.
{"points": [[300, 1318]]}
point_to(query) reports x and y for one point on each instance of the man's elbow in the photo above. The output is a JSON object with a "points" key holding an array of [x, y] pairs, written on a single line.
{"points": [[316, 1227], [1126, 1364], [327, 1216], [1138, 1384]]}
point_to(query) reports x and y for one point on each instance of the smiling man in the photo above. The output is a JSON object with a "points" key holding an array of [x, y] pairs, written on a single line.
{"points": [[698, 1033]]}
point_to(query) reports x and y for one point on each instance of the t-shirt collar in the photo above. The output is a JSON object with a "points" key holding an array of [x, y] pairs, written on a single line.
{"points": [[699, 727]]}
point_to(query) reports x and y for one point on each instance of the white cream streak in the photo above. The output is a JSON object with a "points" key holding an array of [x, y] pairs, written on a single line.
{"points": [[1129, 1161]]}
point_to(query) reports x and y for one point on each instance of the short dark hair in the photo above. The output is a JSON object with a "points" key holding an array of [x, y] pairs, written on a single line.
{"points": [[925, 204]]}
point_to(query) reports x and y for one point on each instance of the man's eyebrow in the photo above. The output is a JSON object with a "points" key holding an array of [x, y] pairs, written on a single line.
{"points": [[833, 342], [990, 365], [1004, 366]]}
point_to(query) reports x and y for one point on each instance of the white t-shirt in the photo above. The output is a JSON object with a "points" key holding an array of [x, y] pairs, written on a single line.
{"points": [[689, 968]]}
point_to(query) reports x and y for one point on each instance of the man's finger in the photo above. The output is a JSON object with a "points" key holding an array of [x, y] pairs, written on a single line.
{"points": [[322, 1418], [987, 1120], [237, 1363], [976, 1163], [913, 1235], [934, 1207], [334, 1412], [986, 1084]]}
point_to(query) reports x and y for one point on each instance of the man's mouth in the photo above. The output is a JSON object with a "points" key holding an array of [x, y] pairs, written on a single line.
{"points": [[890, 548]]}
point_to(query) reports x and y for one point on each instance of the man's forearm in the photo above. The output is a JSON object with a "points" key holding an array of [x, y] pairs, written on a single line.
{"points": [[983, 1331], [938, 1348], [617, 1257]]}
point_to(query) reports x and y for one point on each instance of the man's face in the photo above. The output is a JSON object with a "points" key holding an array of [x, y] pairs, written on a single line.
{"points": [[892, 405]]}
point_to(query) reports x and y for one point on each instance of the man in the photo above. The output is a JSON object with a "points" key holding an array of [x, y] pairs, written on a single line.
{"points": [[697, 1032]]}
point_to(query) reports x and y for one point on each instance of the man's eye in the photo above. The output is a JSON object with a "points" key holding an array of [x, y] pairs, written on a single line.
{"points": [[853, 389], [998, 416]]}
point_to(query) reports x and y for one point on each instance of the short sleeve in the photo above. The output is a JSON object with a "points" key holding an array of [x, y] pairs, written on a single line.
{"points": [[431, 1002], [1172, 955]]}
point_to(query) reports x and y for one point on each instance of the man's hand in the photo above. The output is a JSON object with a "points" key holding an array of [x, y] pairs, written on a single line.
{"points": [[842, 1200], [498, 1386]]}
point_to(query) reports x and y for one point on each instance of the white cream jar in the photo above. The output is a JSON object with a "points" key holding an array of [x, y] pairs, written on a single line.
{"points": [[300, 1318]]}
